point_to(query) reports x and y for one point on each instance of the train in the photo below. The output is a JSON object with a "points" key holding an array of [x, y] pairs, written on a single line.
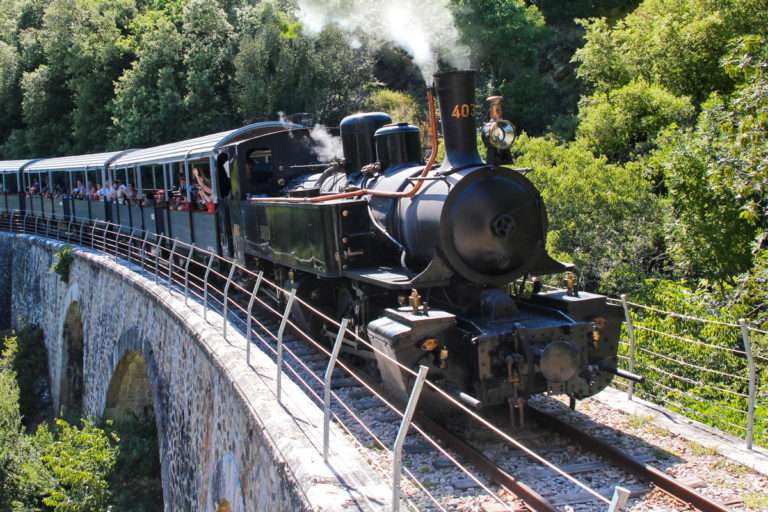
{"points": [[433, 263]]}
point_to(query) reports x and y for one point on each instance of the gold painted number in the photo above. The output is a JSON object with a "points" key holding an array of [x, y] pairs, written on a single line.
{"points": [[462, 111]]}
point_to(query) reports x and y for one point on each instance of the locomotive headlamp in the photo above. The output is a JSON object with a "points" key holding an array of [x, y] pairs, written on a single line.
{"points": [[498, 133]]}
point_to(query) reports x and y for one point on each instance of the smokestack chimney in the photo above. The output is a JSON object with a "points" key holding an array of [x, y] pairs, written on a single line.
{"points": [[456, 92]]}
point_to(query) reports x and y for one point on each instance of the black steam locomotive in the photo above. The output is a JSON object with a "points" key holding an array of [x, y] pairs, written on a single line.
{"points": [[421, 258]]}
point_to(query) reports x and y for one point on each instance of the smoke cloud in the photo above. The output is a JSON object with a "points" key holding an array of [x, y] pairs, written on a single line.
{"points": [[425, 29], [327, 147]]}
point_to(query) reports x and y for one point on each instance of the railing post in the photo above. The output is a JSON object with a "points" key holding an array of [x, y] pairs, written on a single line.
{"points": [[186, 273], [69, 230], [170, 265], [251, 302], [631, 334], [752, 382], [158, 248], [402, 433], [131, 238], [205, 288], [143, 249], [327, 387], [619, 500], [280, 333], [93, 236], [226, 297], [36, 218], [82, 227]]}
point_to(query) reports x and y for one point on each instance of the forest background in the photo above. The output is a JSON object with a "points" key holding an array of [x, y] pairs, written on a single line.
{"points": [[645, 122]]}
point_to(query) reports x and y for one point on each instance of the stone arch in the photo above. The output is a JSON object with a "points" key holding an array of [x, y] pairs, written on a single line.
{"points": [[129, 393], [71, 381], [135, 391]]}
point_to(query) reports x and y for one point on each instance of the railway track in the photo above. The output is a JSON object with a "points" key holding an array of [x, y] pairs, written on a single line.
{"points": [[505, 476], [509, 473]]}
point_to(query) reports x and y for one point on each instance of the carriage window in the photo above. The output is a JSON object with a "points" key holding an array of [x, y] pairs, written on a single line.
{"points": [[260, 171]]}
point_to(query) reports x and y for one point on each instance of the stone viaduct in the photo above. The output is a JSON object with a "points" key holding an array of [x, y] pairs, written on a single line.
{"points": [[117, 342]]}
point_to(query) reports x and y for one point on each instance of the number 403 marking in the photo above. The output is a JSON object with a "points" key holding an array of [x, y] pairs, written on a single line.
{"points": [[463, 111]]}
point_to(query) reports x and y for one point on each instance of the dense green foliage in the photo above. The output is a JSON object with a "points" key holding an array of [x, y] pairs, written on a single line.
{"points": [[62, 262], [80, 76], [602, 217], [624, 124], [60, 467]]}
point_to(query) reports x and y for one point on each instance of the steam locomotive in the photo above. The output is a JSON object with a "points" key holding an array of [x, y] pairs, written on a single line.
{"points": [[421, 258], [427, 262]]}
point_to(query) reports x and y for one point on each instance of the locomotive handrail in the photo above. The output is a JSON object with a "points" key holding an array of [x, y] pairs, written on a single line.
{"points": [[120, 241]]}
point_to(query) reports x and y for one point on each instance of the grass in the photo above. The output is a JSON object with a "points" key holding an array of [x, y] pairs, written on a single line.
{"points": [[700, 450], [730, 468], [638, 421], [755, 501]]}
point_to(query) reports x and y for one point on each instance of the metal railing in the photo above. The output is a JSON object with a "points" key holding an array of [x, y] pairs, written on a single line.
{"points": [[705, 369], [218, 283]]}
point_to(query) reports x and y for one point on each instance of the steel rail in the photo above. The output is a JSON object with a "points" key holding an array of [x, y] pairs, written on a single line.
{"points": [[627, 462], [474, 457]]}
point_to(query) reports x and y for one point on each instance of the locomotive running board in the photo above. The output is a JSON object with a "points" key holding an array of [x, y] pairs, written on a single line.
{"points": [[437, 273]]}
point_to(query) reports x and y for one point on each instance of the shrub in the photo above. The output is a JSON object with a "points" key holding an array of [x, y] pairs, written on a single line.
{"points": [[402, 107], [625, 123], [602, 216], [62, 263]]}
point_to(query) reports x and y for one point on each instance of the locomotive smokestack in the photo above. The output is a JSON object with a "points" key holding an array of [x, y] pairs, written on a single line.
{"points": [[456, 92]]}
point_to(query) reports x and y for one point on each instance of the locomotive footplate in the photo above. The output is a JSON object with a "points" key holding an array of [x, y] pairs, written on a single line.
{"points": [[508, 349]]}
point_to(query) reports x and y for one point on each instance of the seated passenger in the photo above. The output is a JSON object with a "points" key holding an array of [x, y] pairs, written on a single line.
{"points": [[204, 191], [129, 193], [105, 192]]}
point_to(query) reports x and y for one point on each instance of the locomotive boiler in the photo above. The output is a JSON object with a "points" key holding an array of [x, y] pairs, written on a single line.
{"points": [[421, 257]]}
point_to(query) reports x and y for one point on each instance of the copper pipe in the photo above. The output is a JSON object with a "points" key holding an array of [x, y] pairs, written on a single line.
{"points": [[376, 193]]}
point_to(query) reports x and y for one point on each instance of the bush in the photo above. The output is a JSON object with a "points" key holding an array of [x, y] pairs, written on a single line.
{"points": [[80, 461], [402, 107], [62, 263], [677, 44], [624, 123], [602, 216], [61, 469], [716, 174]]}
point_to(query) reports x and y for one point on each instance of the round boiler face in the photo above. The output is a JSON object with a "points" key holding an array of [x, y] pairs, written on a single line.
{"points": [[495, 222]]}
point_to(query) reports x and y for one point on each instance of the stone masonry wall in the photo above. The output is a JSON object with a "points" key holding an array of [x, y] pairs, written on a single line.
{"points": [[222, 434]]}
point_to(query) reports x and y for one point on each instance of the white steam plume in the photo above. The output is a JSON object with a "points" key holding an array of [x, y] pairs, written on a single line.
{"points": [[425, 29], [327, 147]]}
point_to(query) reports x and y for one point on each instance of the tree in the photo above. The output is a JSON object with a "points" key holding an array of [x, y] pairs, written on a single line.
{"points": [[279, 69], [624, 123], [81, 39], [64, 469], [602, 217], [46, 104], [505, 37], [715, 173], [208, 41], [80, 461], [677, 44], [148, 107], [10, 95]]}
